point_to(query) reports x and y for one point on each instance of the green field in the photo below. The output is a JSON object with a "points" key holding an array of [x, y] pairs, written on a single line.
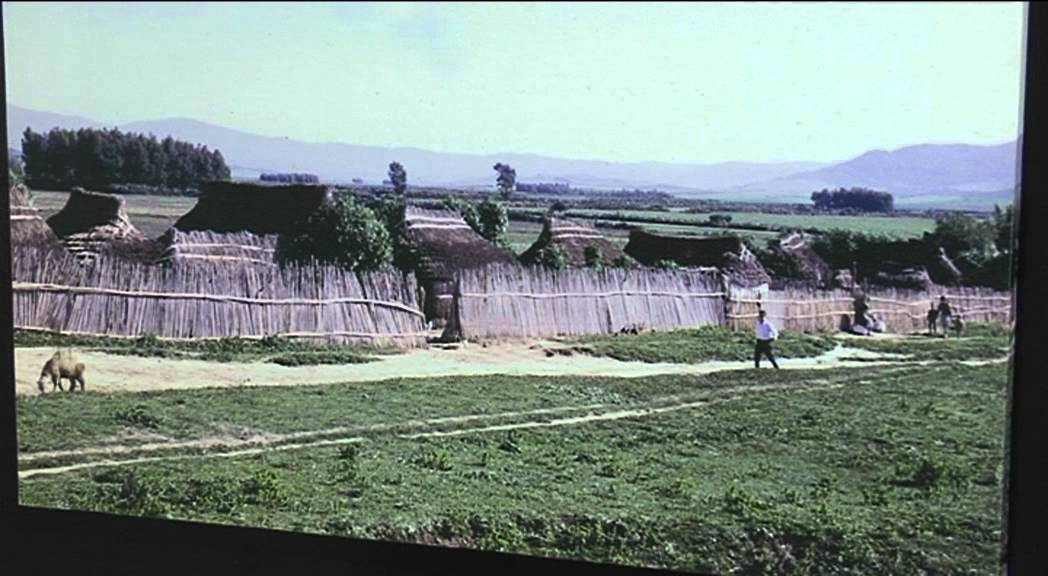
{"points": [[897, 226], [892, 469]]}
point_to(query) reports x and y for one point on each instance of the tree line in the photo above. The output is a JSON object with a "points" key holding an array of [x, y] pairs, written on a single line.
{"points": [[858, 199], [100, 158], [291, 178]]}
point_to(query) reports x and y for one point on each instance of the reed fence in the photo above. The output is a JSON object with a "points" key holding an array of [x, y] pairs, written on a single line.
{"points": [[110, 297], [903, 311], [520, 302], [227, 247]]}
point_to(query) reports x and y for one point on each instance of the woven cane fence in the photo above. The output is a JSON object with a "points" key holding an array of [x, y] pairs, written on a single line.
{"points": [[522, 302], [903, 311], [108, 297]]}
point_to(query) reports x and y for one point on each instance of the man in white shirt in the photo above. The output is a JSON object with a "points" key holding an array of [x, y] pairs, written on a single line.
{"points": [[766, 334]]}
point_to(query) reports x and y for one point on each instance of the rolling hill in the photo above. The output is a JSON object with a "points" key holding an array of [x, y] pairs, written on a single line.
{"points": [[926, 175]]}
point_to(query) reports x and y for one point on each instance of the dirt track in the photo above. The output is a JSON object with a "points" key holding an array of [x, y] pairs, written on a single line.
{"points": [[114, 373]]}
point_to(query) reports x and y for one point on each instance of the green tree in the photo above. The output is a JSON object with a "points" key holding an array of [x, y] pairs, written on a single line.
{"points": [[593, 256], [960, 234], [552, 257], [492, 221], [345, 234], [507, 179], [399, 177]]}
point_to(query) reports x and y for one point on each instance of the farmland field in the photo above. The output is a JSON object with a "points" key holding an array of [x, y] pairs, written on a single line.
{"points": [[890, 468], [897, 226]]}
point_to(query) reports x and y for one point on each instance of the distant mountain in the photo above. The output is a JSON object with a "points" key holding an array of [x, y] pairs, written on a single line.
{"points": [[250, 154], [916, 175], [18, 118], [926, 175]]}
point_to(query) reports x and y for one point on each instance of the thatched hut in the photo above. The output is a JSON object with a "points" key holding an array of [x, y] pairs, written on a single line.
{"points": [[225, 206], [572, 239], [437, 244], [93, 222], [799, 261], [727, 253], [241, 222], [27, 226]]}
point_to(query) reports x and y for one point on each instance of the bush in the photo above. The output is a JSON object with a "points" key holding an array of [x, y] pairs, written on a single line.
{"points": [[346, 234], [594, 257], [551, 257]]}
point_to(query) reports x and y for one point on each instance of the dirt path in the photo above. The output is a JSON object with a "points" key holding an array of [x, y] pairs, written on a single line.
{"points": [[279, 442], [115, 373]]}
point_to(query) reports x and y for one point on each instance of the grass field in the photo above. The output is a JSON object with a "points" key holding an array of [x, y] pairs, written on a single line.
{"points": [[891, 469], [900, 227]]}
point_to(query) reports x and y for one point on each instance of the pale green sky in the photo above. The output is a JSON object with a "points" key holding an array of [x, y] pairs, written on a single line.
{"points": [[626, 82]]}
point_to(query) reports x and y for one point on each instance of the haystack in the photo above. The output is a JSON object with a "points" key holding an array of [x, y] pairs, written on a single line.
{"points": [[727, 253], [27, 226], [572, 239], [254, 207], [436, 245], [93, 222]]}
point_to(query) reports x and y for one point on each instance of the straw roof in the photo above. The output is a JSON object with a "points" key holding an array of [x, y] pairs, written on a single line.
{"points": [[90, 221], [728, 253], [27, 226], [437, 243], [242, 248], [254, 207], [810, 267], [572, 238]]}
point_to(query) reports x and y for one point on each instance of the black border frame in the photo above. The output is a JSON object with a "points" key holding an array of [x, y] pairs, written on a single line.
{"points": [[46, 541]]}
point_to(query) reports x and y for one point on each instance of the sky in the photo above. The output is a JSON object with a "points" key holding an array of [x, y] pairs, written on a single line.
{"points": [[674, 82]]}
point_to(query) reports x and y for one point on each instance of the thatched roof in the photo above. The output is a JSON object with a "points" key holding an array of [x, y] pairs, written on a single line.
{"points": [[810, 267], [206, 246], [225, 206], [572, 238], [728, 253], [91, 220], [27, 226], [439, 242]]}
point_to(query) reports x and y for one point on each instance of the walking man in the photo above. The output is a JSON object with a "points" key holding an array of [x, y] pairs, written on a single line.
{"points": [[766, 334], [945, 315]]}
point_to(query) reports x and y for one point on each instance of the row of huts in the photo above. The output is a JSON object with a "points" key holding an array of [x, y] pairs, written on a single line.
{"points": [[244, 223]]}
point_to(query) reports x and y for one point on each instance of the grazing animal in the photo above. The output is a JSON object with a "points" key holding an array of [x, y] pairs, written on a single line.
{"points": [[64, 364]]}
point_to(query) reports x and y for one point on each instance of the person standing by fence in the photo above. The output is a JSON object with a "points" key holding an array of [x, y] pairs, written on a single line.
{"points": [[933, 315], [945, 315], [766, 335]]}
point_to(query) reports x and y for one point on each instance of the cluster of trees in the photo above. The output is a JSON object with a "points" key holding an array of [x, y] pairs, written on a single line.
{"points": [[100, 158], [856, 199], [292, 178], [555, 188]]}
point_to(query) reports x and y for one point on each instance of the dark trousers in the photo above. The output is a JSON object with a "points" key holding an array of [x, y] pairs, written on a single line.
{"points": [[764, 347]]}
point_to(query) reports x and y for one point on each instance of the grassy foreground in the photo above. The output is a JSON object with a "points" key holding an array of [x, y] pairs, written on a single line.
{"points": [[894, 470]]}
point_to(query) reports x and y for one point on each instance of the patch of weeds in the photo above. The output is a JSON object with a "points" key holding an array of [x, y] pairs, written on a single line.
{"points": [[930, 473], [509, 443], [138, 415], [433, 459], [319, 358]]}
